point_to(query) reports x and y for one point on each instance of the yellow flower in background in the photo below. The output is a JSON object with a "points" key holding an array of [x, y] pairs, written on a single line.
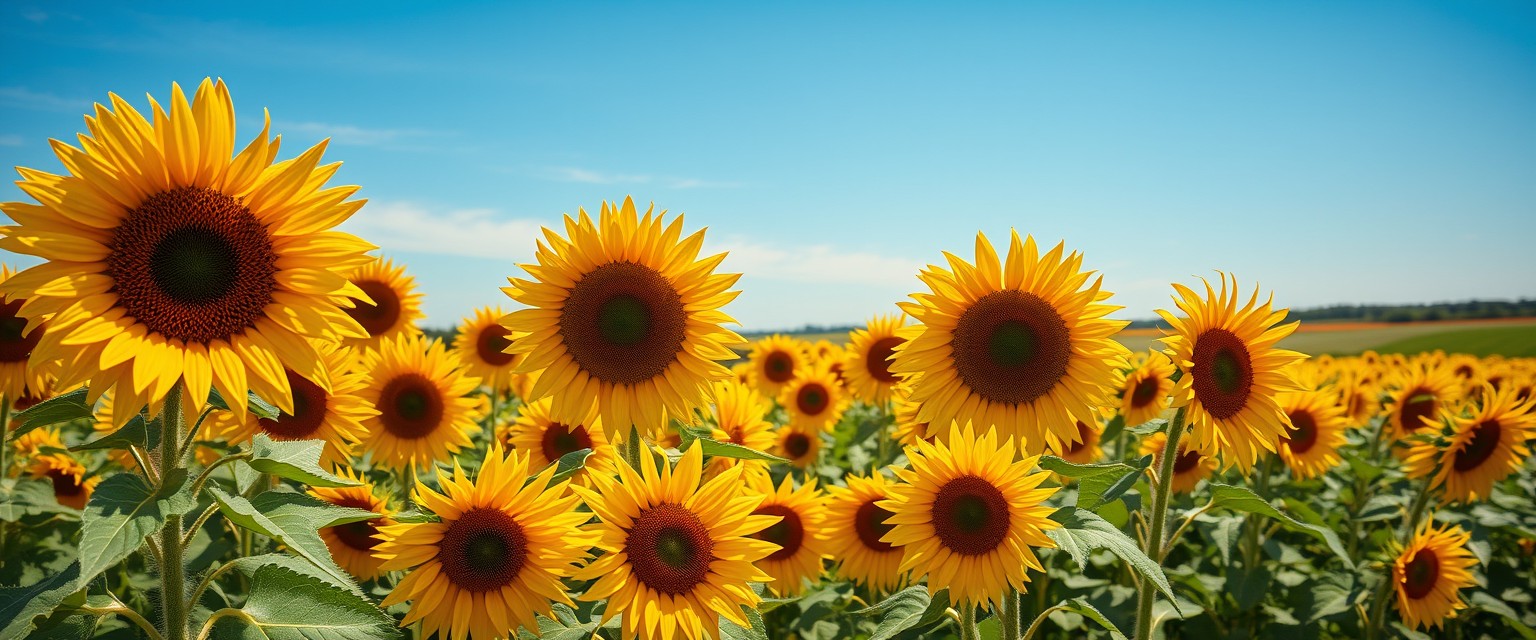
{"points": [[1422, 392], [1020, 343], [1485, 446], [395, 305], [802, 541], [71, 486], [352, 544], [867, 366], [335, 417], [546, 440], [18, 377], [775, 360], [481, 344], [624, 316], [801, 446], [1087, 449], [424, 413], [814, 399], [1147, 390], [909, 429], [856, 525], [170, 258], [1311, 445], [1188, 469], [1429, 574], [738, 413]]}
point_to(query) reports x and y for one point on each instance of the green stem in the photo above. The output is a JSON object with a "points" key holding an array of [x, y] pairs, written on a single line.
{"points": [[173, 586], [968, 630], [1252, 525], [1010, 614], [882, 440], [1154, 542], [1039, 620], [490, 422]]}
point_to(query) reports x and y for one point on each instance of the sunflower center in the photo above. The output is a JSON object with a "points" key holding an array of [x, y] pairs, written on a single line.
{"points": [[1222, 374], [358, 535], [1011, 347], [788, 533], [669, 549], [410, 406], [15, 345], [1144, 393], [1303, 434], [623, 323], [65, 484], [192, 264], [797, 444], [812, 399], [1421, 573], [1485, 441], [560, 439], [1417, 408], [1186, 461], [779, 367], [492, 345], [1083, 433], [870, 523], [483, 550], [309, 402], [970, 516], [878, 362], [380, 316]]}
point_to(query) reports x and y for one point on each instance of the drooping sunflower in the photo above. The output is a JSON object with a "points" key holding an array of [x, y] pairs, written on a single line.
{"points": [[70, 485], [775, 361], [1430, 573], [334, 416], [1188, 469], [1422, 392], [17, 376], [813, 399], [352, 544], [802, 541], [677, 556], [967, 514], [1020, 343], [625, 317], [421, 394], [496, 558], [857, 525], [1317, 429], [1147, 390], [802, 447], [167, 259], [395, 308], [868, 364], [1484, 447], [546, 440], [482, 346], [738, 413], [1232, 371], [1087, 449]]}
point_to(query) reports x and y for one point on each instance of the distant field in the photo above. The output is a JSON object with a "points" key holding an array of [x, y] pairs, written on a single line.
{"points": [[1517, 341]]}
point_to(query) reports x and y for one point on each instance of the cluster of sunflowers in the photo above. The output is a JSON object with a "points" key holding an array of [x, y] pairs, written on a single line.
{"points": [[222, 420]]}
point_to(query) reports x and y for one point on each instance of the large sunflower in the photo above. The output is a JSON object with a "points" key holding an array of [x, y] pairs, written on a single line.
{"points": [[967, 514], [775, 361], [1188, 469], [498, 555], [395, 307], [18, 378], [1430, 573], [168, 260], [1484, 447], [867, 367], [334, 416], [857, 525], [1422, 392], [677, 557], [482, 346], [352, 544], [624, 316], [546, 440], [814, 399], [739, 412], [1232, 371], [1317, 424], [799, 534], [1147, 388], [424, 414], [1020, 343]]}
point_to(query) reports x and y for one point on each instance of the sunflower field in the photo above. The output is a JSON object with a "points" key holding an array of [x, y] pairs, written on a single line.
{"points": [[221, 420]]}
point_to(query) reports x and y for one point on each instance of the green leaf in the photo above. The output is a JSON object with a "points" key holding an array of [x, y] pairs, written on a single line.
{"points": [[732, 631], [1380, 508], [1094, 481], [568, 465], [1113, 428], [1226, 534], [20, 606], [1330, 594], [1241, 499], [251, 564], [253, 403], [62, 408], [1149, 427], [910, 608], [297, 460], [1081, 607], [122, 513], [1082, 531], [1248, 586], [1483, 600], [135, 432], [716, 448], [293, 519], [29, 497], [288, 605]]}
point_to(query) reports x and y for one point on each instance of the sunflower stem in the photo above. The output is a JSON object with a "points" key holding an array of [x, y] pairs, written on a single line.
{"points": [[1154, 542], [490, 421], [173, 587], [1010, 614], [968, 630]]}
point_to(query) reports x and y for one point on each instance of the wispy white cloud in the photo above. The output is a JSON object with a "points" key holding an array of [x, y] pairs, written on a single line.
{"points": [[346, 134], [24, 98], [590, 176], [408, 226], [10, 140]]}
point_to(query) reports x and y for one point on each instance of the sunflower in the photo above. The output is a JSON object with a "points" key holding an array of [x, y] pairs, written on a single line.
{"points": [[677, 557], [867, 366], [1087, 449], [1484, 447], [1188, 469], [166, 259], [802, 447], [546, 440], [352, 544], [336, 417], [70, 485], [1430, 573], [799, 535], [1422, 392], [395, 308], [1232, 371], [1358, 396], [496, 558], [775, 361], [32, 444], [739, 412], [17, 377], [420, 393], [908, 428], [1317, 425], [623, 316], [742, 371], [813, 399], [1021, 344], [1147, 388], [482, 344], [856, 526]]}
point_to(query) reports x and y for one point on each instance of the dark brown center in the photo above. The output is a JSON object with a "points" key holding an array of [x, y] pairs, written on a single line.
{"points": [[358, 535], [65, 484], [623, 323], [812, 399], [380, 316], [1303, 433], [1484, 442], [669, 549], [1083, 435], [559, 440], [1418, 406], [309, 404], [1186, 461], [483, 550], [869, 522], [1011, 347], [492, 345], [410, 406], [16, 346], [970, 516], [878, 362], [1420, 574], [788, 533], [1222, 374], [779, 367], [797, 444], [1145, 392]]}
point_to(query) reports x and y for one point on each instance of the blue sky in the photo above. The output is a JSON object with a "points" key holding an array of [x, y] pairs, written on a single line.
{"points": [[1333, 152]]}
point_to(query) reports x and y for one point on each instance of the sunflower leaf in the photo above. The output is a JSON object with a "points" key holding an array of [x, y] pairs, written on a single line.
{"points": [[288, 605], [732, 631], [136, 433], [1098, 483], [28, 497], [1081, 607], [713, 447], [249, 565], [1242, 499], [1113, 428], [123, 512], [568, 465], [20, 606], [294, 519], [253, 402], [909, 608], [566, 625], [1485, 601], [1082, 531], [299, 460], [60, 408], [1149, 427]]}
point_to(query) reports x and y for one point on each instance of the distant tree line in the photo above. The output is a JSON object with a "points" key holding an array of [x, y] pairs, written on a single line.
{"points": [[1469, 310]]}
